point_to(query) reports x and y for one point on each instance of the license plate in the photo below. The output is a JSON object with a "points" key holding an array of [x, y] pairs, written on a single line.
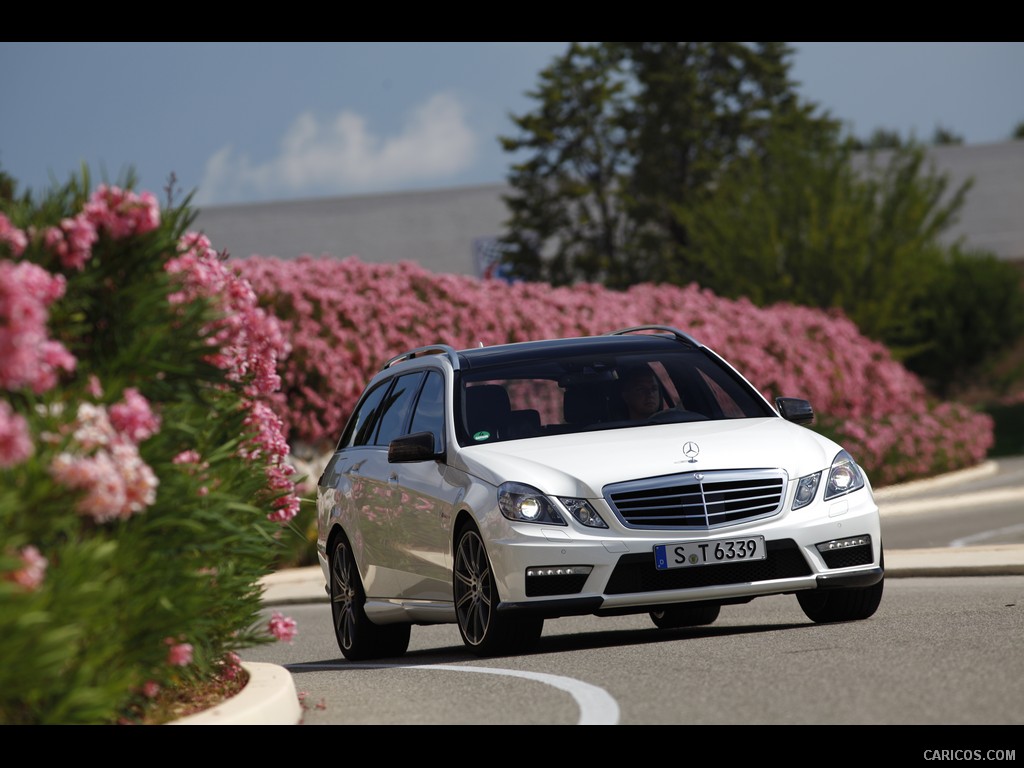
{"points": [[683, 554]]}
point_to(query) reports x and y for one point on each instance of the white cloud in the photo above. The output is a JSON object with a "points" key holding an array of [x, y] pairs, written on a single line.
{"points": [[344, 157]]}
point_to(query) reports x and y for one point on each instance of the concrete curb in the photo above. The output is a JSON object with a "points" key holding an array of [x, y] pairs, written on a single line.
{"points": [[269, 698]]}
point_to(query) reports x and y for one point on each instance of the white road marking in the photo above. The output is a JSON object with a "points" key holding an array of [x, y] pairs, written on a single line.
{"points": [[596, 705], [980, 538]]}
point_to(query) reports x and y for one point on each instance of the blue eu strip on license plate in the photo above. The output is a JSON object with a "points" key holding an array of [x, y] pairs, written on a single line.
{"points": [[683, 554]]}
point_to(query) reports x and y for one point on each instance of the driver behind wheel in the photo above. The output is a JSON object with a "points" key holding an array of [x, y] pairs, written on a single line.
{"points": [[641, 392]]}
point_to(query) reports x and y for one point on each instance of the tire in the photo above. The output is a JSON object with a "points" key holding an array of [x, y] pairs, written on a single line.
{"points": [[484, 630], [358, 637], [683, 615], [834, 605]]}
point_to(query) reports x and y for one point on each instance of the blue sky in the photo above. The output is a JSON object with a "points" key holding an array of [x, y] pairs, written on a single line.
{"points": [[248, 122]]}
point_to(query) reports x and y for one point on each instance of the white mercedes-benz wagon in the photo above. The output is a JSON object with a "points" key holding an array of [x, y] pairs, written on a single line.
{"points": [[633, 472]]}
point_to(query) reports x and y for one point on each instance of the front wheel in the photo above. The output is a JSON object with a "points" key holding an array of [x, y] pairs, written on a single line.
{"points": [[829, 606], [357, 636], [484, 631]]}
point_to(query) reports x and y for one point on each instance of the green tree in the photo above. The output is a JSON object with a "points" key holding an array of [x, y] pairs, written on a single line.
{"points": [[698, 108], [626, 135], [880, 138], [566, 220], [944, 136], [968, 317], [825, 227]]}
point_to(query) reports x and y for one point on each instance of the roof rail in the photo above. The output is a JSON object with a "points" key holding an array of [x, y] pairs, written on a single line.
{"points": [[433, 349], [680, 335]]}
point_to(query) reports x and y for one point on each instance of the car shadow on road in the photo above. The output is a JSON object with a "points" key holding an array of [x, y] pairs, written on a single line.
{"points": [[560, 643]]}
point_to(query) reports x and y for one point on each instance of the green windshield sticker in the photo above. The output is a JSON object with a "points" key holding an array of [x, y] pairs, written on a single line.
{"points": [[482, 435]]}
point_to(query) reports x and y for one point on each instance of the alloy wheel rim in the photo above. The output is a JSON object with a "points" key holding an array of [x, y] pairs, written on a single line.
{"points": [[472, 589], [343, 597]]}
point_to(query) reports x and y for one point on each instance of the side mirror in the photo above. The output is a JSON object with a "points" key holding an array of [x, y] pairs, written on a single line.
{"points": [[795, 409], [418, 446]]}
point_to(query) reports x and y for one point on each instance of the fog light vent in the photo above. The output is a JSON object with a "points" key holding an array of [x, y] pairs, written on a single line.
{"points": [[853, 541], [846, 553], [556, 579]]}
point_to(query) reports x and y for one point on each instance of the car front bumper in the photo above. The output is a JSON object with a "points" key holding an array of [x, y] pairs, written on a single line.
{"points": [[570, 571]]}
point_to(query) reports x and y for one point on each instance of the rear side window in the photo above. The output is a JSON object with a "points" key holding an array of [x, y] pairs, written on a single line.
{"points": [[363, 424], [429, 415], [397, 409]]}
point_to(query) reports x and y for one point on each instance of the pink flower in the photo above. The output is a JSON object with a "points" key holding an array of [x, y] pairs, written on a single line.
{"points": [[187, 457], [93, 386], [14, 237], [31, 575], [15, 441], [122, 213], [106, 467], [30, 358], [178, 654], [151, 689], [72, 241], [285, 508], [282, 627], [115, 483], [231, 666], [133, 417]]}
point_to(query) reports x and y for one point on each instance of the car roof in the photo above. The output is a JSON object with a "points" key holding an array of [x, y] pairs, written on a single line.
{"points": [[636, 339], [485, 357]]}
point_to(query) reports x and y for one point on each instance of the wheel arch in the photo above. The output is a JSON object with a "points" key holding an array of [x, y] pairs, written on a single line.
{"points": [[463, 518]]}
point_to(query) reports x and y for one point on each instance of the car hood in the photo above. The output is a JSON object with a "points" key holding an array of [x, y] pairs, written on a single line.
{"points": [[582, 464]]}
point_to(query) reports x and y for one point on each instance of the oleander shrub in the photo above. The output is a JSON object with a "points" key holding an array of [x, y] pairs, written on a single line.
{"points": [[144, 482]]}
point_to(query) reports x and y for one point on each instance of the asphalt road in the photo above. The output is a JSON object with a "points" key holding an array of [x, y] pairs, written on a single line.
{"points": [[984, 507], [939, 651]]}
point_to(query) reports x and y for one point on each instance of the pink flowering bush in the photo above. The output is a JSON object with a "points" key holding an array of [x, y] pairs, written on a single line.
{"points": [[344, 318], [145, 487]]}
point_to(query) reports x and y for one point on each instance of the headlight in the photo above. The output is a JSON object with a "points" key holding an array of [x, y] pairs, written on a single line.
{"points": [[844, 476], [525, 504], [806, 487], [583, 512]]}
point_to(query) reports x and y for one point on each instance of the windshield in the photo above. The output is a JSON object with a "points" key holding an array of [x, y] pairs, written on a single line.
{"points": [[577, 394]]}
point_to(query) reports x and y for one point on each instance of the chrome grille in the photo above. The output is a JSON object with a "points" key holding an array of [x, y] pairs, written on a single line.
{"points": [[698, 499]]}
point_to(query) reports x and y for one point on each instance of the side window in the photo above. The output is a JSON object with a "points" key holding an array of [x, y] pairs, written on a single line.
{"points": [[429, 415], [397, 407], [364, 421]]}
